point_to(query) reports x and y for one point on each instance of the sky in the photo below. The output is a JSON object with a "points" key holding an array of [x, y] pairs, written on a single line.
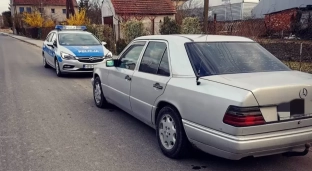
{"points": [[4, 4]]}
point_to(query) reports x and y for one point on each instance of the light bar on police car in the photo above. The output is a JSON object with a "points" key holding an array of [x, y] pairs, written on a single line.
{"points": [[66, 27]]}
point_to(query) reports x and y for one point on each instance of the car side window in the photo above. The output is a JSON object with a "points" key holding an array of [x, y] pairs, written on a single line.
{"points": [[130, 57], [152, 57], [48, 37], [51, 36], [163, 68]]}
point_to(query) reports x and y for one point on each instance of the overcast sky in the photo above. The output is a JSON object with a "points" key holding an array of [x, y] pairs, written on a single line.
{"points": [[4, 4]]}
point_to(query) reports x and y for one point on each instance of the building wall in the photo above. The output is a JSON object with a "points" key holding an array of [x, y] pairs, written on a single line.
{"points": [[108, 11], [280, 21], [271, 6], [58, 14]]}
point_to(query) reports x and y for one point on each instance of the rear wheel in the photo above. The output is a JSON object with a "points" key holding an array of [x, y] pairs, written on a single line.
{"points": [[170, 133], [57, 68], [98, 96]]}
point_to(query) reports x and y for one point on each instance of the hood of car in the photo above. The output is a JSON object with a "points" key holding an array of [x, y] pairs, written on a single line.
{"points": [[270, 87], [86, 51]]}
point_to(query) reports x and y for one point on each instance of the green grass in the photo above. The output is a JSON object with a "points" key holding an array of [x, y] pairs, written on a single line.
{"points": [[305, 66]]}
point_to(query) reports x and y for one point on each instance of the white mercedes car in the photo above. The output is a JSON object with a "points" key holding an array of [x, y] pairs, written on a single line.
{"points": [[225, 95]]}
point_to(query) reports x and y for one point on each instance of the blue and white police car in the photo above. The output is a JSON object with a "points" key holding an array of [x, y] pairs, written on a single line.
{"points": [[71, 49]]}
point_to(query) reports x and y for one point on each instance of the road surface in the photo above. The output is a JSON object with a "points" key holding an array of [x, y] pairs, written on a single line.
{"points": [[51, 124]]}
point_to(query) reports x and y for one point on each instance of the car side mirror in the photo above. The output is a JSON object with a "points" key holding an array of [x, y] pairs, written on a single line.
{"points": [[112, 63], [104, 43], [50, 44]]}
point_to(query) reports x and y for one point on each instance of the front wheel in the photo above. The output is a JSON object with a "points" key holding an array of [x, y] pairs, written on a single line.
{"points": [[98, 95], [57, 68], [170, 133]]}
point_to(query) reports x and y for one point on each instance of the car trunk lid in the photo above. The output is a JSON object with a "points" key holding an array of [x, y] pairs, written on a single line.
{"points": [[283, 97]]}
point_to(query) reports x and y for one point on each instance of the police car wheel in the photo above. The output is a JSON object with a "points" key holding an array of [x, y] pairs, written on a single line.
{"points": [[57, 68], [44, 62], [98, 95]]}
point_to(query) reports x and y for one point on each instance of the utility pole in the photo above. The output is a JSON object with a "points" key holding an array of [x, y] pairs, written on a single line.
{"points": [[206, 10]]}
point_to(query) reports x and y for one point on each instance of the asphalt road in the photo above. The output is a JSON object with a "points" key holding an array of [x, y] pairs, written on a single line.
{"points": [[51, 124]]}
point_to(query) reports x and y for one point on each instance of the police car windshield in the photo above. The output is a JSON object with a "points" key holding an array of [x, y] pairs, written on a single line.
{"points": [[77, 39]]}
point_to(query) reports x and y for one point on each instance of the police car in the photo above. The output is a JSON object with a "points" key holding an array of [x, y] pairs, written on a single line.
{"points": [[71, 49]]}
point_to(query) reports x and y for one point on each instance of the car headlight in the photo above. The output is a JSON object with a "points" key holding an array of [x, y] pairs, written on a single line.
{"points": [[67, 56], [108, 55]]}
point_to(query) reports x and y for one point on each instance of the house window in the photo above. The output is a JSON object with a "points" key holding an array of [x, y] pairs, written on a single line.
{"points": [[21, 9], [28, 9], [41, 10], [64, 11], [52, 11]]}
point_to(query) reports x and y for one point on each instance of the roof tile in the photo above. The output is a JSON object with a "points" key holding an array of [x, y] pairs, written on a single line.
{"points": [[143, 7]]}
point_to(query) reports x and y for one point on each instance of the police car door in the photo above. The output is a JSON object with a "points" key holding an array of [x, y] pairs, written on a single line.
{"points": [[47, 49], [52, 50]]}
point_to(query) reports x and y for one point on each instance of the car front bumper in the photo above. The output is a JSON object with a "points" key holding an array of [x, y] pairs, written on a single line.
{"points": [[238, 147], [69, 66]]}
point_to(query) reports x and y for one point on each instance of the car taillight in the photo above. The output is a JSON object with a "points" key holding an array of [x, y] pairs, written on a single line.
{"points": [[243, 116]]}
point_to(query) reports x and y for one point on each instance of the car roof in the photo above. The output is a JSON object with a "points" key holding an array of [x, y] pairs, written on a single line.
{"points": [[197, 38], [72, 31]]}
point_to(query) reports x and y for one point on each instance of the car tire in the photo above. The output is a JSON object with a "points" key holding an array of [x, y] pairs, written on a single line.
{"points": [[169, 128], [57, 69], [98, 96], [44, 61]]}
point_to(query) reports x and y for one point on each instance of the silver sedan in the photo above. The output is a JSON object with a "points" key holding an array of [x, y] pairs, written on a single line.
{"points": [[225, 95]]}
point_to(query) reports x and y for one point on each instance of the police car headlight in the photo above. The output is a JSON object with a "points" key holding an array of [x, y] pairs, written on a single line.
{"points": [[109, 55], [67, 56]]}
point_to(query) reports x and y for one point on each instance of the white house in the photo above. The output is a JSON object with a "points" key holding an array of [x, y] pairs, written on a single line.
{"points": [[150, 12]]}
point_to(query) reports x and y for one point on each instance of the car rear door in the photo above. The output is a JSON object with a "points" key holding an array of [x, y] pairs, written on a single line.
{"points": [[150, 80], [120, 78]]}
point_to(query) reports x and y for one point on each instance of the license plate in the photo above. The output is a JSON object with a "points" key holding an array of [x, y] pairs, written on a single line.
{"points": [[297, 108], [88, 66]]}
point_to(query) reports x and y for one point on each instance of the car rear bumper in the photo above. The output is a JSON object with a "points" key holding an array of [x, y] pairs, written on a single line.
{"points": [[237, 147]]}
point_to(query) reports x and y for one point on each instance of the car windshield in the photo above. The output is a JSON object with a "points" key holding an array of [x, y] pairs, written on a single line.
{"points": [[219, 58], [71, 39]]}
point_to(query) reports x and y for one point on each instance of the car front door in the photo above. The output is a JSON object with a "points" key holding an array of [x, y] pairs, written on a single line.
{"points": [[47, 49], [53, 49], [119, 78], [150, 81]]}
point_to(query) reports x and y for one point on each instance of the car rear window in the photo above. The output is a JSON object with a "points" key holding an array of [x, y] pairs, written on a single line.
{"points": [[77, 39], [216, 58]]}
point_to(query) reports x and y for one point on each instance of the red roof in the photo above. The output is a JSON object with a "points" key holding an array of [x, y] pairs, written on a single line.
{"points": [[44, 2], [144, 7]]}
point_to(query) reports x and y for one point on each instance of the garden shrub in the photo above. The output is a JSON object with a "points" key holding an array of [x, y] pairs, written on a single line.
{"points": [[169, 26], [133, 29], [191, 25], [120, 46]]}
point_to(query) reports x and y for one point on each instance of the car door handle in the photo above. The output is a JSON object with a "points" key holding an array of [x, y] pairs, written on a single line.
{"points": [[128, 78], [158, 86]]}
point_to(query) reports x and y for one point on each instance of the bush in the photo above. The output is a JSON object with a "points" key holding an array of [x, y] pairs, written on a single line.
{"points": [[191, 25], [133, 29], [103, 33], [78, 19], [33, 19], [120, 46], [169, 27]]}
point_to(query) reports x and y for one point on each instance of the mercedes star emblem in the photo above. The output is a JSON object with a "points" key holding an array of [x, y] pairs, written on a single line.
{"points": [[303, 93]]}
